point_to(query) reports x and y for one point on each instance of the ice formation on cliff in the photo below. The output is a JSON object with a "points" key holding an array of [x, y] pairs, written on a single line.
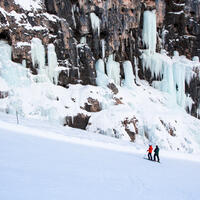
{"points": [[102, 79], [113, 70], [149, 30], [173, 72], [52, 64], [128, 72], [95, 22], [38, 58]]}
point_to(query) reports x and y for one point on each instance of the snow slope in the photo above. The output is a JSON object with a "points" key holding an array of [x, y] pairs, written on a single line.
{"points": [[158, 119], [51, 163]]}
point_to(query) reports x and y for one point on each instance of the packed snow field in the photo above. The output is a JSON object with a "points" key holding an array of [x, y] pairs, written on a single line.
{"points": [[41, 161]]}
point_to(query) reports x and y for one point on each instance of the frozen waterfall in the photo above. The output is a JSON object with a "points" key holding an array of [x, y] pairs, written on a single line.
{"points": [[102, 78], [45, 73], [38, 53], [149, 30], [12, 74], [173, 72], [113, 70], [95, 22], [52, 64], [128, 72]]}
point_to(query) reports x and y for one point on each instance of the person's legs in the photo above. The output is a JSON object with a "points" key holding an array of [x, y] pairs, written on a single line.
{"points": [[154, 157], [158, 158], [150, 156]]}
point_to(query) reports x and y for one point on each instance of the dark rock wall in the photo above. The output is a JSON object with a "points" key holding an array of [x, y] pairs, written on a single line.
{"points": [[182, 23]]}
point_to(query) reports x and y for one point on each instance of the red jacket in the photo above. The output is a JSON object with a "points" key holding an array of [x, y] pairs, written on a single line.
{"points": [[150, 149]]}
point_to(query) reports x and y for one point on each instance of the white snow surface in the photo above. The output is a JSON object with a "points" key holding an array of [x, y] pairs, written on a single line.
{"points": [[42, 161], [29, 4]]}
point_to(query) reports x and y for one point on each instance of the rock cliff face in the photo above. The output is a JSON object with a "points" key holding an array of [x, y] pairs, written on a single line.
{"points": [[85, 30]]}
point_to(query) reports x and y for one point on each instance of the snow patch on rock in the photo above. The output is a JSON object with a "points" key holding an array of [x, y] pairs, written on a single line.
{"points": [[29, 4]]}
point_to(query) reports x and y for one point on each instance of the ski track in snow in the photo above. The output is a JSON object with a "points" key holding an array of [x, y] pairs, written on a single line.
{"points": [[44, 164]]}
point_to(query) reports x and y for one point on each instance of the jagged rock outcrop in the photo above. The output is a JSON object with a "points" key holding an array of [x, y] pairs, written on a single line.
{"points": [[78, 121], [93, 105], [132, 133], [3, 94]]}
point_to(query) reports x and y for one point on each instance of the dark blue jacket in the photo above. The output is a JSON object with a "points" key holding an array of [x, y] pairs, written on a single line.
{"points": [[156, 151]]}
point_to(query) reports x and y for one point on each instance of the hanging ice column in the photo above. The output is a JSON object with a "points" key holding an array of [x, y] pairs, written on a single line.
{"points": [[160, 65], [38, 60], [52, 64], [179, 75], [149, 30], [173, 72], [103, 48], [95, 22], [38, 57], [102, 79], [37, 53], [113, 70], [128, 72]]}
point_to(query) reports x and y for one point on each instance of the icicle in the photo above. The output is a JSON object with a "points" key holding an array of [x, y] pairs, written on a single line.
{"points": [[37, 53], [73, 17], [179, 80], [52, 64], [113, 70], [95, 22], [83, 40], [103, 48], [24, 63], [188, 103], [176, 54], [136, 68], [164, 32], [77, 55], [168, 79], [102, 79], [128, 72], [100, 66], [149, 30], [195, 59], [79, 75], [152, 62]]}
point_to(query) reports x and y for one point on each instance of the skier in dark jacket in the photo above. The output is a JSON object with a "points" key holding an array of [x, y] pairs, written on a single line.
{"points": [[156, 154]]}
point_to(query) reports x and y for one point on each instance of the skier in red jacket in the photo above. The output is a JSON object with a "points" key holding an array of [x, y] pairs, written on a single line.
{"points": [[150, 152]]}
